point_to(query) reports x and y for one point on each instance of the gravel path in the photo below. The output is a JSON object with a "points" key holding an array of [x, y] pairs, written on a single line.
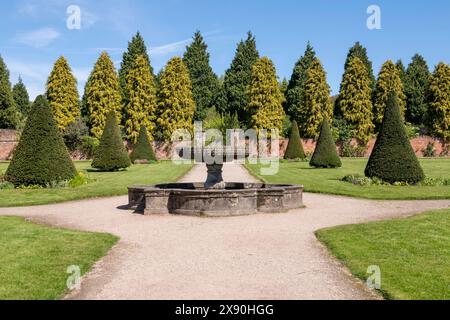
{"points": [[265, 256]]}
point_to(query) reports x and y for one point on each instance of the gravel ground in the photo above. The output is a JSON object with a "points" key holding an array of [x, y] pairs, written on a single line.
{"points": [[265, 256]]}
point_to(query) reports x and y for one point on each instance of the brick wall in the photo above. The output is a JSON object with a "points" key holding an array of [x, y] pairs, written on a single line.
{"points": [[8, 141], [163, 150]]}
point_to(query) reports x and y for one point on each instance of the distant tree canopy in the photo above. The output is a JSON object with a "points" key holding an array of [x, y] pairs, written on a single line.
{"points": [[62, 94], [21, 98], [9, 115], [265, 97], [102, 94], [388, 80], [238, 78], [205, 84], [176, 106]]}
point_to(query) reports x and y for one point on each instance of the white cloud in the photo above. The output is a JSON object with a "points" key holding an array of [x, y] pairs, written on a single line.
{"points": [[38, 38], [169, 48]]}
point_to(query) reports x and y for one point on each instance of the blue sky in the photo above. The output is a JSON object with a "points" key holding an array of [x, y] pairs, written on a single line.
{"points": [[34, 33]]}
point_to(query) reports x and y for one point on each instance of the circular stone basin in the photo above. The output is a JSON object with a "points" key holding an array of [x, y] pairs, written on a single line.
{"points": [[195, 200]]}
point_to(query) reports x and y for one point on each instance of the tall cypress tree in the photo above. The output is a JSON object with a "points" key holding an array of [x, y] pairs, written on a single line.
{"points": [[317, 105], [62, 94], [140, 111], [388, 80], [102, 94], [136, 47], [416, 82], [361, 52], [238, 78], [296, 87], [265, 97], [9, 116], [439, 101], [176, 106], [204, 81], [355, 100], [41, 156], [21, 98], [393, 159]]}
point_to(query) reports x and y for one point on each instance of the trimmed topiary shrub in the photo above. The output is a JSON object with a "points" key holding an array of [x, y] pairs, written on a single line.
{"points": [[325, 155], [41, 158], [294, 149], [393, 158], [142, 149], [111, 154]]}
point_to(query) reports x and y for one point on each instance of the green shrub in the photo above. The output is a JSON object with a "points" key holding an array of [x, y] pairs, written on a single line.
{"points": [[325, 155], [79, 180], [294, 150], [429, 151], [5, 185], [74, 133], [88, 146], [111, 154], [351, 151], [393, 158], [41, 156], [143, 150]]}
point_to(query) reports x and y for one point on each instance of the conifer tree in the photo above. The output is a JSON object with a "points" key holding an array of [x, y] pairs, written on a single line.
{"points": [[325, 155], [393, 158], [176, 106], [238, 78], [417, 78], [62, 94], [265, 97], [355, 100], [140, 110], [361, 52], [9, 116], [439, 101], [21, 98], [317, 104], [204, 81], [136, 47], [294, 149], [142, 150], [401, 72], [111, 154], [296, 87], [102, 94], [41, 157], [388, 80]]}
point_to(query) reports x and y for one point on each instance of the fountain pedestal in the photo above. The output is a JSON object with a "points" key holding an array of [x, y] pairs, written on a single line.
{"points": [[215, 178]]}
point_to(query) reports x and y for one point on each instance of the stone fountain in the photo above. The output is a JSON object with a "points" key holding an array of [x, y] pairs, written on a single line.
{"points": [[215, 197]]}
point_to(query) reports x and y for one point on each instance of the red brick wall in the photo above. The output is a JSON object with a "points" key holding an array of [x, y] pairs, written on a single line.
{"points": [[8, 141], [163, 150]]}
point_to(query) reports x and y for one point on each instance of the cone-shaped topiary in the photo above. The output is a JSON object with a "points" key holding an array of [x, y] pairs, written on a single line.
{"points": [[294, 149], [325, 155], [111, 154], [41, 156], [393, 159], [142, 149]]}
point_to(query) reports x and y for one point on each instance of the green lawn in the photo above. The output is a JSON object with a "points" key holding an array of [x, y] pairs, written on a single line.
{"points": [[106, 184], [413, 254], [35, 258], [329, 180]]}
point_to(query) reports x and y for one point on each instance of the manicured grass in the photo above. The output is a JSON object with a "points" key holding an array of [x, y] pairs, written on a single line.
{"points": [[106, 184], [35, 258], [413, 254], [329, 180]]}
